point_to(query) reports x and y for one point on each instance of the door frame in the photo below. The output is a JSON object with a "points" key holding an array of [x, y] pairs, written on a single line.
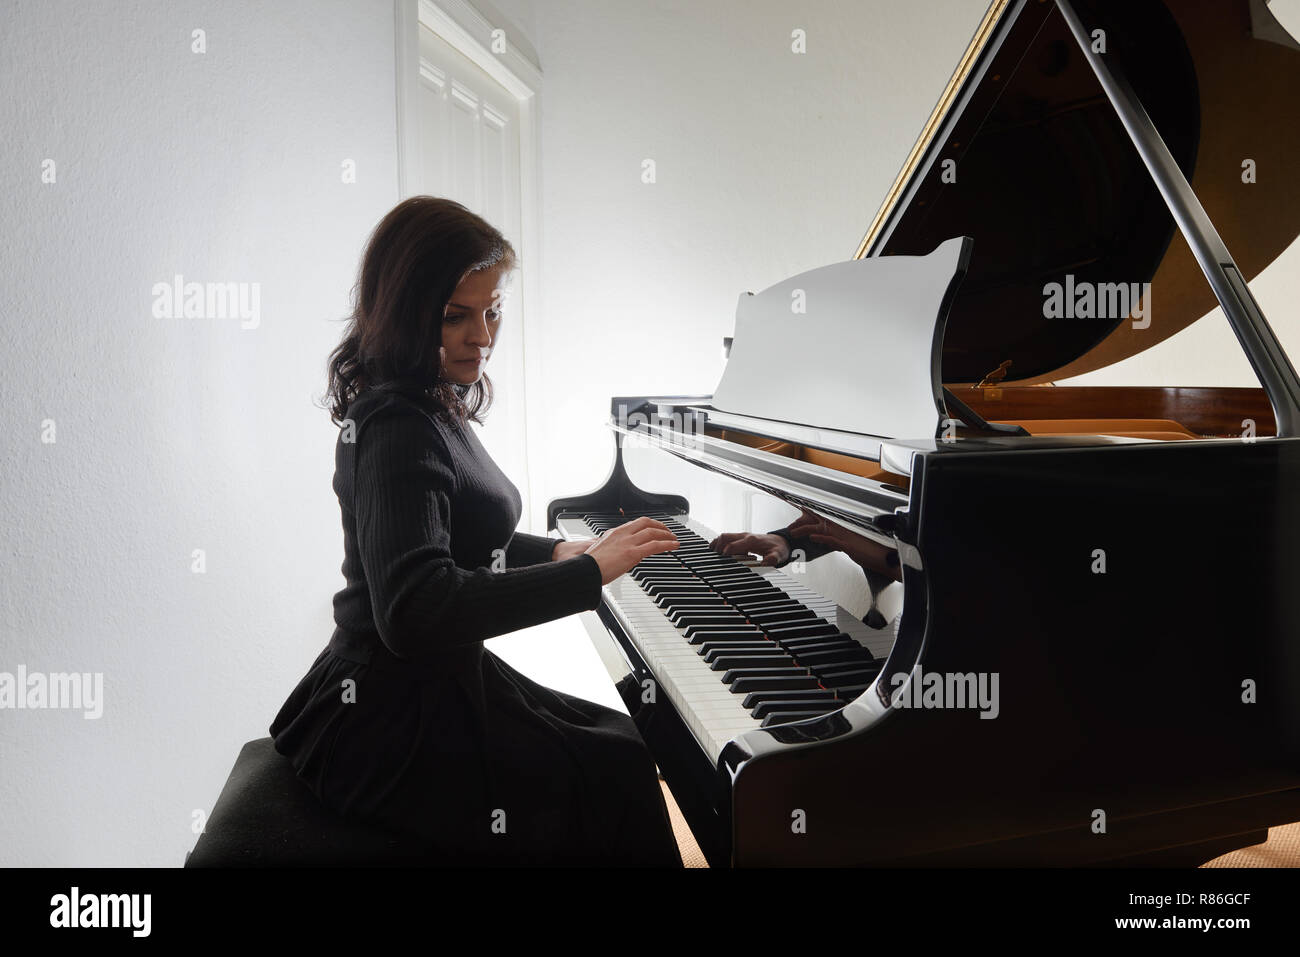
{"points": [[469, 32]]}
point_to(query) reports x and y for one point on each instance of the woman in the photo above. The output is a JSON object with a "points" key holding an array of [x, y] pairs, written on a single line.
{"points": [[405, 719]]}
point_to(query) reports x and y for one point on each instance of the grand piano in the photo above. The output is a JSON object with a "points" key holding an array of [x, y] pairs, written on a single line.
{"points": [[1092, 656]]}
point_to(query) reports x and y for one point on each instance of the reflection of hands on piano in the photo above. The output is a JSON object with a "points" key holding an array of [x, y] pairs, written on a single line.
{"points": [[870, 555], [771, 549], [618, 550]]}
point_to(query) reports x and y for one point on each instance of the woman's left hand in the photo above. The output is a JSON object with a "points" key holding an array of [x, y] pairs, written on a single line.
{"points": [[565, 550]]}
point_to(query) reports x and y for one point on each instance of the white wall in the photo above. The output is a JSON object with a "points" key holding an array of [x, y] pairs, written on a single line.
{"points": [[172, 434]]}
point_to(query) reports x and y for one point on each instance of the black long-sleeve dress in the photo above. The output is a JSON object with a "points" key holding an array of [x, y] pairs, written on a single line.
{"points": [[405, 719]]}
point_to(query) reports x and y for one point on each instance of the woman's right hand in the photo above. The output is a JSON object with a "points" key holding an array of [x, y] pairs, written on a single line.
{"points": [[618, 550]]}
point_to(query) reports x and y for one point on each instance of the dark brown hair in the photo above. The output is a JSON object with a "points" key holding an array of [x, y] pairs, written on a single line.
{"points": [[414, 260]]}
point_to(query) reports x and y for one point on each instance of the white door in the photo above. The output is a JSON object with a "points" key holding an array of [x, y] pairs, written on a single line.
{"points": [[469, 148]]}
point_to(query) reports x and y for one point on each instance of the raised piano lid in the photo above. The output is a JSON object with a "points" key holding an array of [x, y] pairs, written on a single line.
{"points": [[1049, 183], [875, 326]]}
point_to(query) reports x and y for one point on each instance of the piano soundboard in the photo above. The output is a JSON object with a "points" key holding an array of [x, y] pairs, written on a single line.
{"points": [[736, 646]]}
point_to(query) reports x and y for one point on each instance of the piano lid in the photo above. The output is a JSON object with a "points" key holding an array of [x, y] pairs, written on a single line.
{"points": [[1047, 182]]}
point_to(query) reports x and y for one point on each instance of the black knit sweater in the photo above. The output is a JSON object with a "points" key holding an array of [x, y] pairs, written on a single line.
{"points": [[427, 517]]}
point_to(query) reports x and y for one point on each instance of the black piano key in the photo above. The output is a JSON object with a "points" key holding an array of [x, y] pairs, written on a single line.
{"points": [[676, 610], [696, 594], [744, 589], [738, 595], [728, 583], [685, 589], [779, 683], [755, 698], [691, 619], [679, 600], [694, 604], [725, 569], [786, 717], [732, 573], [769, 604], [796, 703], [720, 636], [833, 679], [700, 635], [831, 644], [711, 651], [713, 575], [729, 663], [790, 616], [775, 600], [760, 671], [802, 630], [838, 667], [657, 592], [720, 609], [839, 656], [837, 640], [742, 645], [734, 632], [700, 564]]}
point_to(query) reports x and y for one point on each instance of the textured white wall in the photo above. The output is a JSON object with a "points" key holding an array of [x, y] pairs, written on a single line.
{"points": [[171, 434]]}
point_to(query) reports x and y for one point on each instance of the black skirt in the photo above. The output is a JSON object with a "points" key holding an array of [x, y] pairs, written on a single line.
{"points": [[476, 762]]}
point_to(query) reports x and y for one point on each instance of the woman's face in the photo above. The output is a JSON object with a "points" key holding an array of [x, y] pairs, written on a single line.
{"points": [[470, 323]]}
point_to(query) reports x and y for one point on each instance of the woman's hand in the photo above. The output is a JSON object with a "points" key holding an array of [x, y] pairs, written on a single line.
{"points": [[772, 549], [618, 550], [565, 550]]}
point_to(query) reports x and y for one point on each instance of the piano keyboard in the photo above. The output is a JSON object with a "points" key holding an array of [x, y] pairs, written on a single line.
{"points": [[736, 646]]}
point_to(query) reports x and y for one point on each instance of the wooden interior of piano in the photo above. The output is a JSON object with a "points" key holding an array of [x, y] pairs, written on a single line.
{"points": [[1164, 414]]}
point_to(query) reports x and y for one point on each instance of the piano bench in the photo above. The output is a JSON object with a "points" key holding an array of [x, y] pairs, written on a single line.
{"points": [[267, 817]]}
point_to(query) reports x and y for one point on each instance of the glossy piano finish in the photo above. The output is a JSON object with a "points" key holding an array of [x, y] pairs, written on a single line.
{"points": [[1119, 691]]}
